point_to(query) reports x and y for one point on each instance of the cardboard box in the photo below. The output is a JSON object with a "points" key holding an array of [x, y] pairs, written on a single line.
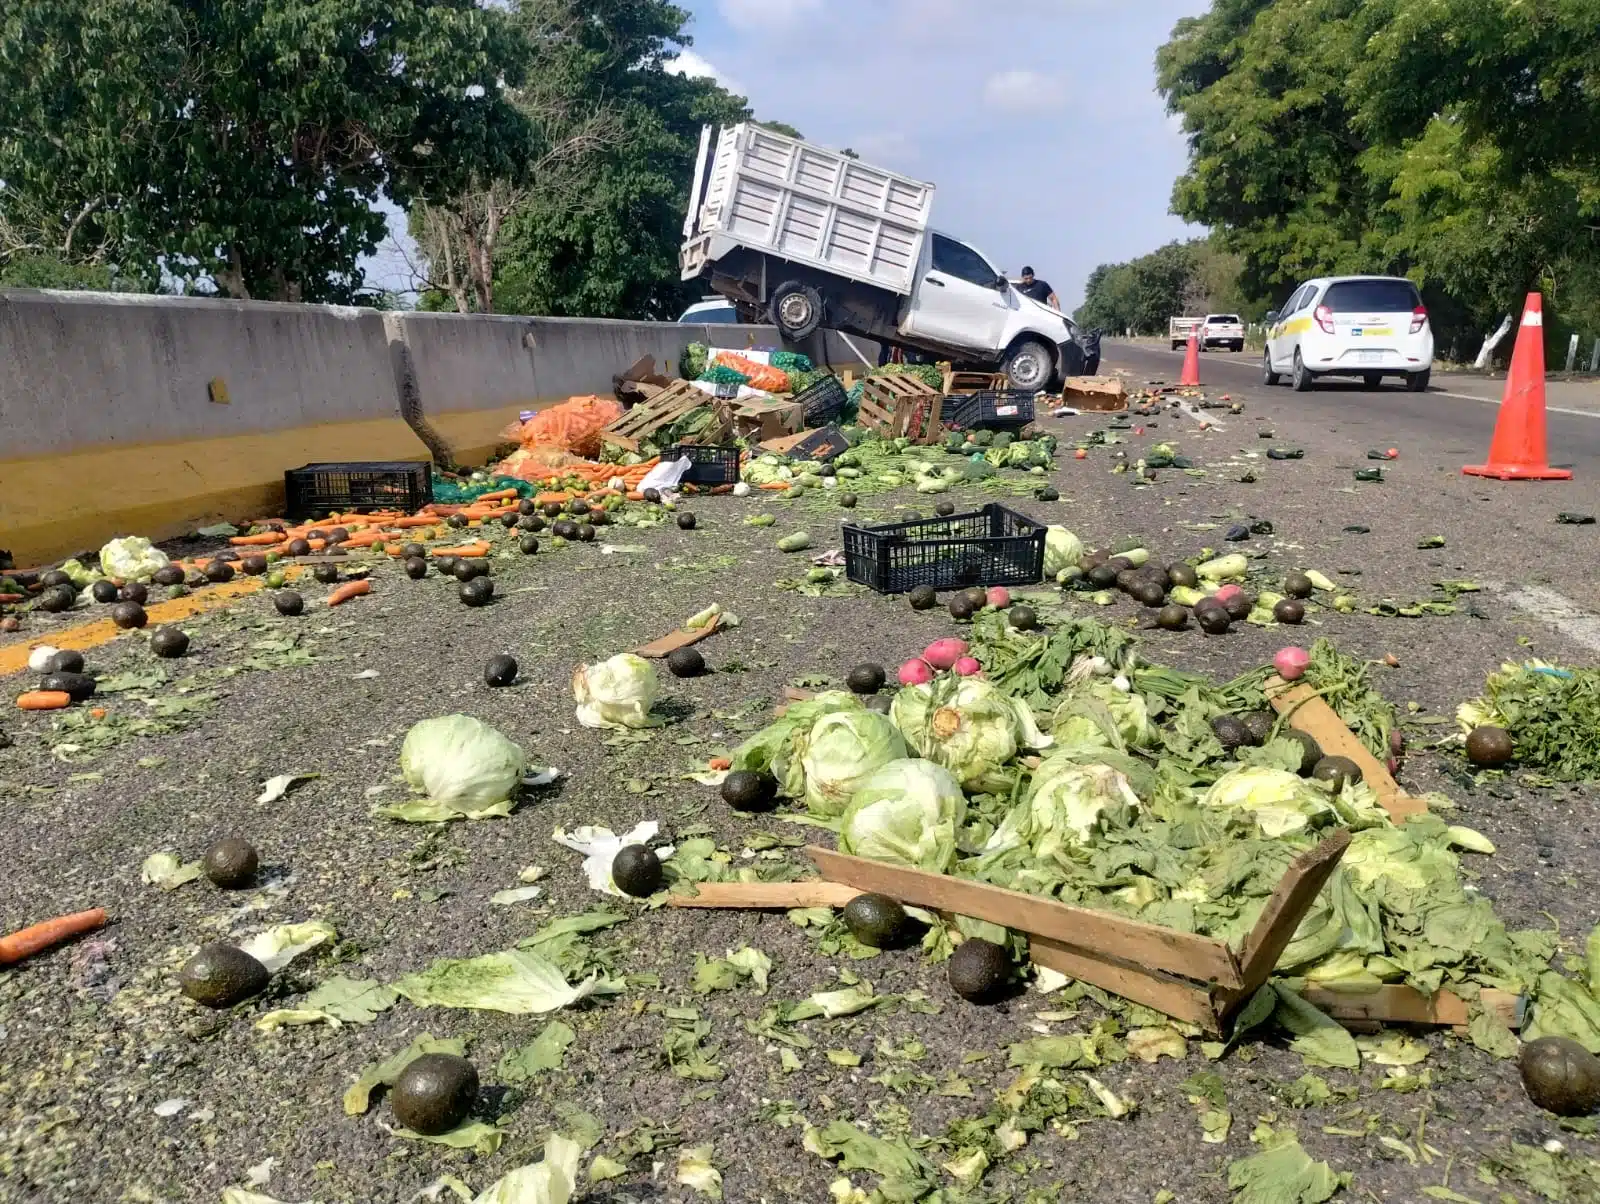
{"points": [[1102, 394], [764, 420]]}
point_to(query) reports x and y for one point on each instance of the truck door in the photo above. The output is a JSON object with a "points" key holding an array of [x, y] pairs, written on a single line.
{"points": [[956, 302]]}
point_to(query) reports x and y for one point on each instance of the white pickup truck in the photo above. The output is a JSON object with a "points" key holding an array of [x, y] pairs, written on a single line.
{"points": [[1213, 330], [811, 237]]}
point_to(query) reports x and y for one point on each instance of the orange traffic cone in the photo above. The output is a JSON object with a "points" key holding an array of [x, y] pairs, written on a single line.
{"points": [[1517, 452], [1191, 365]]}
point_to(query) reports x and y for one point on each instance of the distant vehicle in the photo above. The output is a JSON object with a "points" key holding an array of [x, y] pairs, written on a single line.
{"points": [[718, 310], [1222, 330], [1364, 326], [1179, 330], [814, 237]]}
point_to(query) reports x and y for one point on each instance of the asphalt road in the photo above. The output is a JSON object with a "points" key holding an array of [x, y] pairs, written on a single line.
{"points": [[1454, 420]]}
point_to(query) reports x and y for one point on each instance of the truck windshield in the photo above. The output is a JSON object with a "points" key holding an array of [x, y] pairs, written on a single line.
{"points": [[961, 261]]}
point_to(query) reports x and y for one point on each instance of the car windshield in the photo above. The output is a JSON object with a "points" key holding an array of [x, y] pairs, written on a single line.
{"points": [[1372, 296], [1223, 319]]}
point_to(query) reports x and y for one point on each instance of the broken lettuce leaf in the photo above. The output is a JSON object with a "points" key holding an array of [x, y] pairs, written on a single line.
{"points": [[904, 1175], [1284, 1174], [1317, 1037], [358, 1098], [553, 1181], [696, 1172], [545, 1052], [338, 1001], [281, 944], [517, 981], [723, 974], [165, 870], [600, 847], [1562, 1008], [482, 1139]]}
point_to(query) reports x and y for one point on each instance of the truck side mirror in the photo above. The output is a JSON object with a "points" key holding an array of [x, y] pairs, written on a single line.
{"points": [[1001, 283], [1272, 316]]}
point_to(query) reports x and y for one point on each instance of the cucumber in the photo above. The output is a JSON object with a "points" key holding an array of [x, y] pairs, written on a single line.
{"points": [[819, 576], [760, 520], [798, 542], [850, 474]]}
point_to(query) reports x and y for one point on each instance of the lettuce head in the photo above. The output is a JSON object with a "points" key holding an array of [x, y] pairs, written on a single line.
{"points": [[615, 693], [906, 812], [839, 753], [461, 763], [967, 725]]}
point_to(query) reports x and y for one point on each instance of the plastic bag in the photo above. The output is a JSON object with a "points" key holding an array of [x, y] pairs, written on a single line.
{"points": [[132, 558], [572, 426], [761, 376]]}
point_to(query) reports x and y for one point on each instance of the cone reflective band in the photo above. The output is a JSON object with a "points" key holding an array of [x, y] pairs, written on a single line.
{"points": [[1191, 365], [1518, 450]]}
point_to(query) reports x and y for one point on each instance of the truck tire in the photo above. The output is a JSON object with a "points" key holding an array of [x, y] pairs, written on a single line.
{"points": [[796, 310], [1030, 365]]}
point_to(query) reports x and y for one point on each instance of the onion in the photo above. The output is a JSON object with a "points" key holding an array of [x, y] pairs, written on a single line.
{"points": [[1291, 663], [916, 672], [943, 654], [968, 667]]}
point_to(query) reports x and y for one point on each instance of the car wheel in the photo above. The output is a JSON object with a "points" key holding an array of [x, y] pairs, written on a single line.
{"points": [[1030, 365], [1417, 382], [1177, 346], [1239, 346], [1268, 376], [1301, 379], [1371, 380], [796, 310]]}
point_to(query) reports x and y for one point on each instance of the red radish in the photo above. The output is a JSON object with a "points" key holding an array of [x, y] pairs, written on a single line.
{"points": [[942, 654], [1227, 591], [999, 597], [968, 667], [1291, 663], [1080, 454], [1393, 767], [916, 672]]}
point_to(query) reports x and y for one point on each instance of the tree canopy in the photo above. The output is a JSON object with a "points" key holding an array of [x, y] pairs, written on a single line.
{"points": [[1193, 277]]}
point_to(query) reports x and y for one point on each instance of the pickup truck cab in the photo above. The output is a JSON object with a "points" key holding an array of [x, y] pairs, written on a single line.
{"points": [[812, 237], [1222, 330], [1179, 331]]}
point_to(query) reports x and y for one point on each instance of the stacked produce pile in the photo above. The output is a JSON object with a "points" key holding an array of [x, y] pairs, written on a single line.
{"points": [[875, 465]]}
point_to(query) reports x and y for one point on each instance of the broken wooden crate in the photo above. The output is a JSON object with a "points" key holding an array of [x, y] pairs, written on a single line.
{"points": [[894, 406], [666, 407]]}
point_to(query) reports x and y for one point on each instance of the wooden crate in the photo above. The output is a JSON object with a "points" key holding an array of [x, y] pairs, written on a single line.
{"points": [[975, 382], [666, 407], [893, 406]]}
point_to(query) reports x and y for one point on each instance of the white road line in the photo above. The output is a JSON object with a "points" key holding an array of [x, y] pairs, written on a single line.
{"points": [[1494, 401], [1571, 620]]}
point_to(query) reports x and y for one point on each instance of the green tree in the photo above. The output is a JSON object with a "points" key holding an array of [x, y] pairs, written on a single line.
{"points": [[244, 143]]}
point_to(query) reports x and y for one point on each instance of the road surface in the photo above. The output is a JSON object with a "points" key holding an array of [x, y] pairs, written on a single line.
{"points": [[1456, 416]]}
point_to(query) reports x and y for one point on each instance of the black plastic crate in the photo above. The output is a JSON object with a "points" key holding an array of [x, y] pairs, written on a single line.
{"points": [[824, 401], [315, 490], [992, 546], [707, 465], [821, 446], [1004, 410]]}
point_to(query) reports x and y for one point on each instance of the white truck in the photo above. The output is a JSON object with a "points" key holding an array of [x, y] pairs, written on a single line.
{"points": [[1213, 330], [1179, 330], [807, 237]]}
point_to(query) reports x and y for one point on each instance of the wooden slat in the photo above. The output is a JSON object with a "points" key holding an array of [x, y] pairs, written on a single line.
{"points": [[766, 895], [1295, 892], [1180, 953], [656, 649], [1317, 719], [1179, 999], [1400, 1004]]}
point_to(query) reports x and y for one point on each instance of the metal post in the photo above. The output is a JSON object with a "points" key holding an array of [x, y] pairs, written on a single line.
{"points": [[1572, 352], [1594, 359]]}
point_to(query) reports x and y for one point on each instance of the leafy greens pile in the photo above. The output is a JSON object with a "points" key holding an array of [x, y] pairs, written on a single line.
{"points": [[1552, 715]]}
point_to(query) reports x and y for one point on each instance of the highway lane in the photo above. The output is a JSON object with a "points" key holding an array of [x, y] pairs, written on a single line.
{"points": [[1434, 421]]}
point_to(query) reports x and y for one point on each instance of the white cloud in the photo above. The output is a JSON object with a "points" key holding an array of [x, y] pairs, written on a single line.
{"points": [[767, 14], [695, 67], [1022, 91]]}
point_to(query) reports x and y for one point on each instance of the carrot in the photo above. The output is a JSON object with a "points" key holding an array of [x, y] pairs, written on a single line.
{"points": [[775, 486], [366, 539], [97, 713], [13, 598], [635, 495], [416, 520], [44, 700], [721, 489], [719, 763], [39, 937], [543, 499], [350, 589], [499, 495], [264, 540], [470, 551]]}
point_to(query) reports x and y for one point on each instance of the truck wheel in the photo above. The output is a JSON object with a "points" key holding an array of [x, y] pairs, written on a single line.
{"points": [[796, 310], [1030, 365]]}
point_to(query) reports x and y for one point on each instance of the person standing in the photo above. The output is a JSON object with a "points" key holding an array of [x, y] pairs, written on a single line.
{"points": [[1038, 290]]}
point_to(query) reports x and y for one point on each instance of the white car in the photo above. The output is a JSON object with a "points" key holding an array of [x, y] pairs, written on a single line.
{"points": [[1364, 326], [710, 310]]}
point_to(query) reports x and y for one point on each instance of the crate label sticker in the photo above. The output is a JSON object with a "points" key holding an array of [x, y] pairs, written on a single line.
{"points": [[1005, 411]]}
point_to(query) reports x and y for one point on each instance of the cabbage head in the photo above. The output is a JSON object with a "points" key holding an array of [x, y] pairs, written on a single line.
{"points": [[461, 762], [615, 693], [1062, 550], [776, 748], [1099, 714], [967, 725], [839, 753], [1278, 801], [906, 812], [1067, 805]]}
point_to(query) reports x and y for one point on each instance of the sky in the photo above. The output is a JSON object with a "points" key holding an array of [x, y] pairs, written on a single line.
{"points": [[1037, 120]]}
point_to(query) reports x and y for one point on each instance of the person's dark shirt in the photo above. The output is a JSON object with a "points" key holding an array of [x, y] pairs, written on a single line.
{"points": [[1039, 291]]}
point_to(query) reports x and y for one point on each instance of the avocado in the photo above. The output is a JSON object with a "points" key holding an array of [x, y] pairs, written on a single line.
{"points": [[877, 921], [1239, 605], [195, 579], [599, 518], [68, 660], [529, 544], [980, 970], [104, 591], [924, 597], [1172, 618], [945, 509], [1489, 746], [326, 573], [168, 574], [297, 547], [1291, 611], [686, 662], [219, 571], [288, 602], [1213, 620], [221, 975], [129, 615], [508, 521], [446, 565], [1232, 732], [637, 871], [1183, 574], [686, 522], [1048, 494], [1023, 618], [56, 577], [1150, 594], [749, 790], [1103, 576], [458, 521], [500, 671], [169, 643], [56, 599], [564, 528], [866, 678], [338, 535], [231, 863], [413, 549], [1560, 1076], [317, 533], [416, 568], [254, 565], [1336, 771], [961, 608], [586, 531], [434, 1093], [652, 495], [1260, 724], [847, 500], [578, 507], [1311, 751], [466, 569], [530, 523], [477, 592], [527, 506], [78, 686], [978, 596], [1297, 585], [1120, 564]]}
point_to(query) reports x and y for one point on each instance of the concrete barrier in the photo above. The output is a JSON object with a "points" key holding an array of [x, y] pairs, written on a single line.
{"points": [[124, 414]]}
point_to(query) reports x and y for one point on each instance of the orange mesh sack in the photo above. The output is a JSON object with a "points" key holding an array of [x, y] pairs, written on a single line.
{"points": [[573, 426], [762, 376]]}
